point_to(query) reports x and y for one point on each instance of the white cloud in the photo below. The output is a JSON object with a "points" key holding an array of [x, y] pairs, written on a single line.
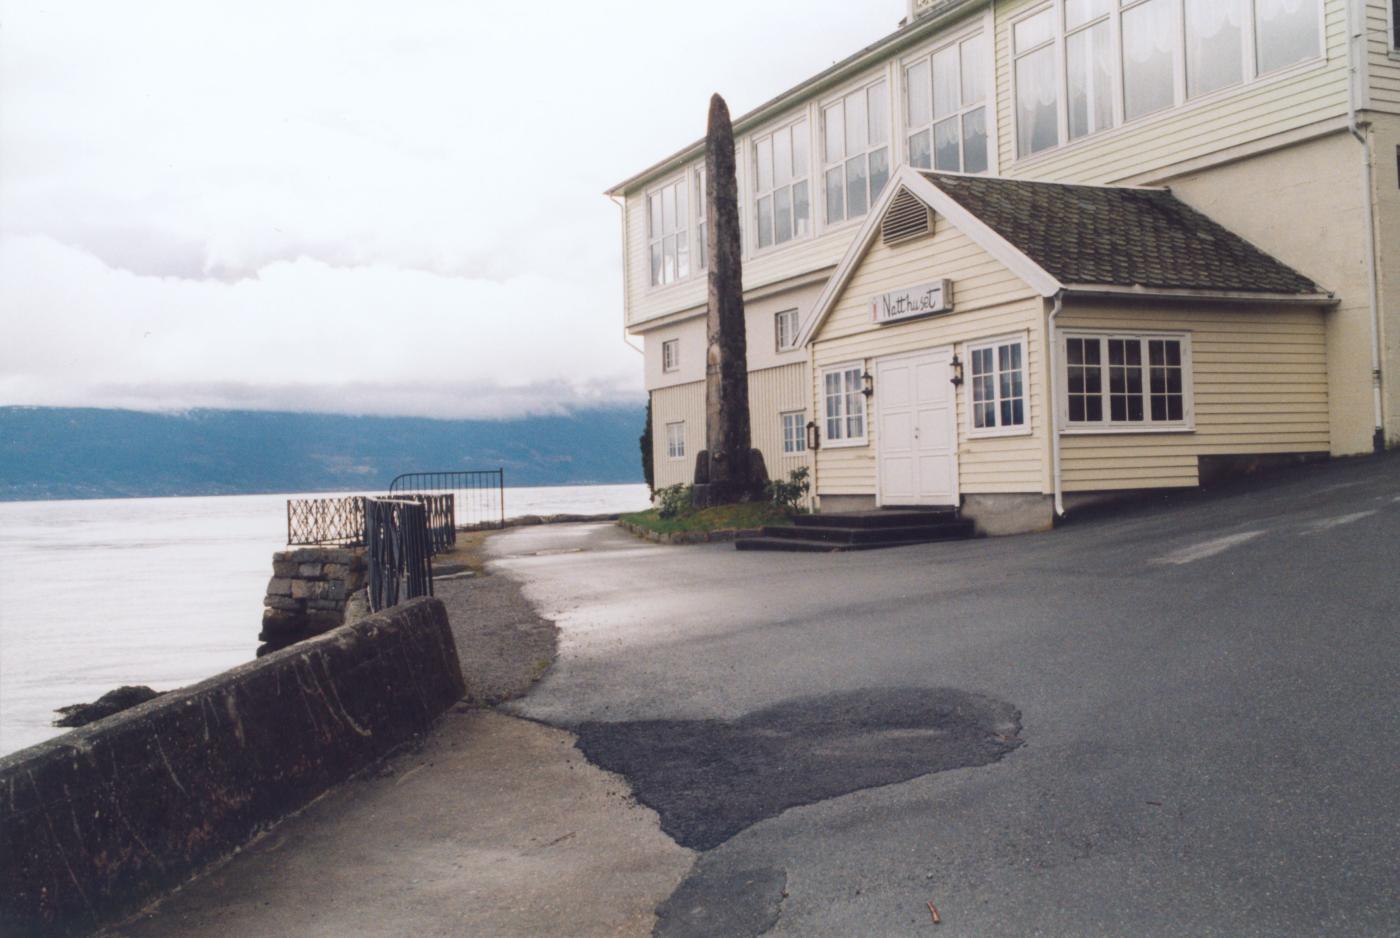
{"points": [[351, 207]]}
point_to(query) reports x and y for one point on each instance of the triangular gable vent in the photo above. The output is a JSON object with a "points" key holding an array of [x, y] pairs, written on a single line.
{"points": [[907, 217]]}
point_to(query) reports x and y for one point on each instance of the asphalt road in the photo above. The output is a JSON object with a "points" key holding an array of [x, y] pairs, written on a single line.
{"points": [[1206, 690]]}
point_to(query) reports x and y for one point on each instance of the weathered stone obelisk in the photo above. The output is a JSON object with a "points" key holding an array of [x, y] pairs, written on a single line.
{"points": [[729, 469]]}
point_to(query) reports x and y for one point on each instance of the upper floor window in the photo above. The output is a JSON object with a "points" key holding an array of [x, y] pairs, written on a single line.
{"points": [[785, 329], [671, 355], [700, 242], [782, 197], [1068, 50], [946, 108], [668, 232], [856, 151]]}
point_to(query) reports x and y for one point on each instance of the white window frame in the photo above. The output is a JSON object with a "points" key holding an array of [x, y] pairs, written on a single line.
{"points": [[675, 444], [818, 188], [841, 442], [987, 103], [1022, 429], [1188, 395], [682, 185], [1180, 101], [804, 119], [790, 333], [699, 252], [799, 439], [670, 356]]}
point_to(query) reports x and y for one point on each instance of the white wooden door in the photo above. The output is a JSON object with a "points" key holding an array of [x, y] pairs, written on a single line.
{"points": [[917, 438]]}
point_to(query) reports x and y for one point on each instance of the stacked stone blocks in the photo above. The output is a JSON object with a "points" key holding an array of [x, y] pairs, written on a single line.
{"points": [[312, 590]]}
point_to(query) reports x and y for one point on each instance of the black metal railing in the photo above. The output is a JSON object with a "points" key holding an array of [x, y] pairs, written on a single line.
{"points": [[339, 521], [442, 514], [479, 495], [399, 551]]}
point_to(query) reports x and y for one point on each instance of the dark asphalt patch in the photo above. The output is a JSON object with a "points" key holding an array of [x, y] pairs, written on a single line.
{"points": [[710, 779], [714, 901]]}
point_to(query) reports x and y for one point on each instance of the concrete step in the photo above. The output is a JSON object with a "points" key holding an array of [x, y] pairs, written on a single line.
{"points": [[882, 518], [931, 531]]}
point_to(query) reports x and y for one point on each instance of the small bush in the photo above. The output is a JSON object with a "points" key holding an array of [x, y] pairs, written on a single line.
{"points": [[673, 500], [788, 495]]}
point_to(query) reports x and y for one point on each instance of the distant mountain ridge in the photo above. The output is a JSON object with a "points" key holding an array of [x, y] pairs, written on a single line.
{"points": [[60, 452]]}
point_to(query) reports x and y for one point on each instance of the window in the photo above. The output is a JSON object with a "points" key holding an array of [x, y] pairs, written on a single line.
{"points": [[1119, 60], [1089, 64], [675, 440], [1395, 25], [845, 405], [671, 355], [668, 233], [794, 432], [856, 151], [1138, 381], [1037, 100], [1214, 45], [782, 201], [946, 108], [1285, 31], [785, 329], [998, 386], [700, 203]]}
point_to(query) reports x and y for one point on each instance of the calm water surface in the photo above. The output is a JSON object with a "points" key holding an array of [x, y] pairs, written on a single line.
{"points": [[158, 591]]}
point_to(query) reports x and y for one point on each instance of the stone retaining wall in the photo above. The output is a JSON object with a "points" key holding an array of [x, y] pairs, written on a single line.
{"points": [[97, 822], [689, 537], [312, 590]]}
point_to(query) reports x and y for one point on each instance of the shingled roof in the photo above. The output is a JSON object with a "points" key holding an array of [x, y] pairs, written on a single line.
{"points": [[1103, 235]]}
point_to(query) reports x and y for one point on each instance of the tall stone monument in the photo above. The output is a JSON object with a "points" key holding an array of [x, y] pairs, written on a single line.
{"points": [[729, 469]]}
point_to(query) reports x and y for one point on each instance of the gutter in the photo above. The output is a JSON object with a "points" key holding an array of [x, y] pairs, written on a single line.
{"points": [[1053, 342], [1356, 50]]}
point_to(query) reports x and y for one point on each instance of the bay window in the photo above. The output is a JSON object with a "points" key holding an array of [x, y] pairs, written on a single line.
{"points": [[1083, 66], [1127, 381], [998, 383], [855, 151], [700, 243], [782, 201], [668, 233], [844, 405], [946, 108]]}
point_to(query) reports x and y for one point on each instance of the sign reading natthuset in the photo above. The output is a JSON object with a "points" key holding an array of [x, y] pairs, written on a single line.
{"points": [[911, 302]]}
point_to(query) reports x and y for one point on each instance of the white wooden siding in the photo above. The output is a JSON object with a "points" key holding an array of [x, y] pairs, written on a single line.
{"points": [[1383, 65], [988, 301], [1260, 383], [771, 392], [1264, 107]]}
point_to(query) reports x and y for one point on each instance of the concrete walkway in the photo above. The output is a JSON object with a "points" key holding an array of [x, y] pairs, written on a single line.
{"points": [[494, 825]]}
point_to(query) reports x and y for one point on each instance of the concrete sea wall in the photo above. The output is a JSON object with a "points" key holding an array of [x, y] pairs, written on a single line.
{"points": [[95, 823]]}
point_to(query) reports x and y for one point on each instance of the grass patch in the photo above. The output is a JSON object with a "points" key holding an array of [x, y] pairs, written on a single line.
{"points": [[719, 518]]}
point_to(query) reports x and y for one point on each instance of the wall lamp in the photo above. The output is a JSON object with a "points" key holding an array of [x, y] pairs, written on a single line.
{"points": [[956, 366], [867, 381]]}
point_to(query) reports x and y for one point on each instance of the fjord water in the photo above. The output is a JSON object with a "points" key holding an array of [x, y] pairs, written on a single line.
{"points": [[158, 591]]}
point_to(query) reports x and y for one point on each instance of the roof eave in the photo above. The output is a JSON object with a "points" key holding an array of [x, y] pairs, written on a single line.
{"points": [[1120, 291], [904, 36]]}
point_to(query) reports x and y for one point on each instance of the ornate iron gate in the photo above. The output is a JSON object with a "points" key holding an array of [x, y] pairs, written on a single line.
{"points": [[479, 495], [399, 551]]}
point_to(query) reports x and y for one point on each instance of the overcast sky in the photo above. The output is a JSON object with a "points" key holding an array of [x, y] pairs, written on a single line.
{"points": [[390, 208]]}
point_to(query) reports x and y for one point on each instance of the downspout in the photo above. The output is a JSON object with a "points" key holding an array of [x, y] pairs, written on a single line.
{"points": [[1054, 345], [1356, 49]]}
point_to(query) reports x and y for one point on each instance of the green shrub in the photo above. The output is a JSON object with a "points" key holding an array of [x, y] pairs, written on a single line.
{"points": [[673, 500], [788, 495]]}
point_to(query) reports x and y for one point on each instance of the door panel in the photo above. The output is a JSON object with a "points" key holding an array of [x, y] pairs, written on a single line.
{"points": [[917, 442]]}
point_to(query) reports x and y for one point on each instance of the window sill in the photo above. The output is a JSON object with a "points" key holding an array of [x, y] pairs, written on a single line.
{"points": [[1122, 431], [983, 434], [845, 444]]}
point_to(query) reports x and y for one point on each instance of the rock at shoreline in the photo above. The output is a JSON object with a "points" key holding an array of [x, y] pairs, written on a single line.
{"points": [[114, 701]]}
